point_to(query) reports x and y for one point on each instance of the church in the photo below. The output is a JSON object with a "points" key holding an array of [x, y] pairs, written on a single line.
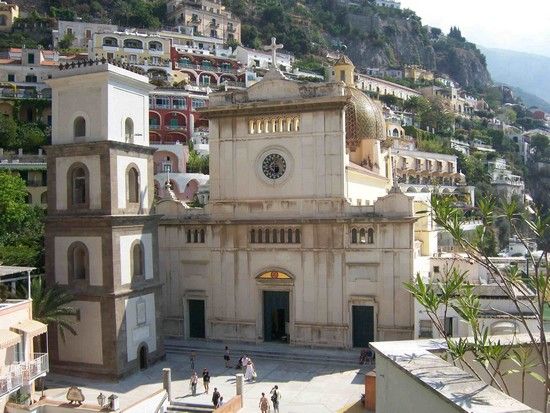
{"points": [[306, 238]]}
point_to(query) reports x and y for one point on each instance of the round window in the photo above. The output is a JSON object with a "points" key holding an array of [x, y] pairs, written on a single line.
{"points": [[274, 166]]}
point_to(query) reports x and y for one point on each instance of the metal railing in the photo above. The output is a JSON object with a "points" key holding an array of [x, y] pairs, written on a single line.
{"points": [[11, 379], [36, 367], [176, 127]]}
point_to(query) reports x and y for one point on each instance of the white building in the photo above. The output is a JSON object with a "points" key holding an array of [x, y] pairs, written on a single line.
{"points": [[389, 3], [262, 60], [82, 32]]}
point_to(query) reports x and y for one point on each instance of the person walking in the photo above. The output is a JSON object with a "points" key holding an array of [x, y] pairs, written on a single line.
{"points": [[264, 404], [205, 380], [250, 373], [193, 383], [192, 360], [275, 398], [216, 397], [220, 402], [226, 357]]}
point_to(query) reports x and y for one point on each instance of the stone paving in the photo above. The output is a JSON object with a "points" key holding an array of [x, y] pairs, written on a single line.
{"points": [[304, 387]]}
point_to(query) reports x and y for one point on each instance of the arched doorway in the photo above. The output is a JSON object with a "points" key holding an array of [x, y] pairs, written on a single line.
{"points": [[143, 354], [276, 317]]}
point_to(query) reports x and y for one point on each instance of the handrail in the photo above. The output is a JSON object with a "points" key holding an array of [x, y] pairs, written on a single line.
{"points": [[159, 406]]}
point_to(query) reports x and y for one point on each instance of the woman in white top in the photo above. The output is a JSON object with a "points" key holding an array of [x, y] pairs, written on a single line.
{"points": [[250, 373]]}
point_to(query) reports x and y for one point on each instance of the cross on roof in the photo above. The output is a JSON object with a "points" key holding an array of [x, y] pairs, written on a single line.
{"points": [[273, 47]]}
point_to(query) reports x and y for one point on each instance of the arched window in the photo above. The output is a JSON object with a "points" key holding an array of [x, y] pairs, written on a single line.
{"points": [[196, 236], [133, 185], [137, 259], [260, 234], [354, 236], [297, 236], [252, 236], [78, 261], [289, 236], [274, 239], [362, 239], [202, 236], [189, 236], [503, 327], [79, 127], [370, 236], [282, 236], [129, 130], [267, 236], [44, 197], [79, 186]]}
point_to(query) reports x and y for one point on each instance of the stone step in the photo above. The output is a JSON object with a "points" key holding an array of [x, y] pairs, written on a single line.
{"points": [[344, 358], [189, 408]]}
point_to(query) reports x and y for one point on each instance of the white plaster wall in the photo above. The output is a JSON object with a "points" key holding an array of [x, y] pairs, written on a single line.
{"points": [[122, 163], [87, 100], [95, 255], [86, 346], [137, 334], [397, 391], [126, 101], [315, 158], [125, 242], [63, 164], [365, 188]]}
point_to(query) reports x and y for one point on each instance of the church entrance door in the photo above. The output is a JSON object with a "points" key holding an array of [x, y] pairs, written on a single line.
{"points": [[363, 325], [276, 316], [196, 319]]}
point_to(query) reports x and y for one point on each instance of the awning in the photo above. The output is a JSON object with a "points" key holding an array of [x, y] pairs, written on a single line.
{"points": [[31, 327], [8, 338]]}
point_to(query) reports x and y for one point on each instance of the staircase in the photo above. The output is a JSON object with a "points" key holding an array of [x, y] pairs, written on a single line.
{"points": [[189, 408], [280, 352]]}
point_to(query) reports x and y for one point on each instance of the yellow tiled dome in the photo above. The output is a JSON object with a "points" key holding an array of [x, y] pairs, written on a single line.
{"points": [[364, 119]]}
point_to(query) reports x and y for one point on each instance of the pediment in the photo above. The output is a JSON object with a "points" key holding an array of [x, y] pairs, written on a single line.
{"points": [[274, 87]]}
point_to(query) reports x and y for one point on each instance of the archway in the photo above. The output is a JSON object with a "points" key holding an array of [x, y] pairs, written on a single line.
{"points": [[143, 358]]}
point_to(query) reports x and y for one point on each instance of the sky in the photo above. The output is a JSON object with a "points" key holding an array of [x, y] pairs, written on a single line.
{"points": [[523, 26]]}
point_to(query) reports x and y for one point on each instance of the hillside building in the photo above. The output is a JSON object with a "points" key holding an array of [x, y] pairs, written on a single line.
{"points": [[32, 169], [8, 13], [205, 18], [504, 181], [82, 31]]}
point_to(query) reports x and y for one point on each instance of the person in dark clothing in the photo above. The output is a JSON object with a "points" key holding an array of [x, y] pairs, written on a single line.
{"points": [[205, 380], [216, 397]]}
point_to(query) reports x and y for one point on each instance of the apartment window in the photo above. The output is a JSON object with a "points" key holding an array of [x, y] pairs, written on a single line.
{"points": [[30, 79], [425, 329], [132, 58], [436, 269], [88, 34], [30, 59], [178, 103], [11, 77], [162, 102], [69, 31], [197, 103]]}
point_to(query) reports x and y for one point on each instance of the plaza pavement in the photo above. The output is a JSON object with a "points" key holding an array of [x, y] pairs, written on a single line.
{"points": [[305, 387]]}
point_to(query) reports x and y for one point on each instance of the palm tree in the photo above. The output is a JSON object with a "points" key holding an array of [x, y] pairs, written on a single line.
{"points": [[50, 305]]}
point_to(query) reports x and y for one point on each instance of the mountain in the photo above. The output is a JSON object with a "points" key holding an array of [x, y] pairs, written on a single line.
{"points": [[371, 35], [529, 72], [531, 100]]}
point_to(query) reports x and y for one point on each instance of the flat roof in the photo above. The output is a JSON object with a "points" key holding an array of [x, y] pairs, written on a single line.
{"points": [[10, 270]]}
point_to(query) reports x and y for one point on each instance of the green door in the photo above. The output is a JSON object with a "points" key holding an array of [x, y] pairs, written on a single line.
{"points": [[196, 319], [363, 325], [276, 316]]}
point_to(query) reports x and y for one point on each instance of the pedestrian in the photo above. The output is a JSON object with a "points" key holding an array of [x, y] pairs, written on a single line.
{"points": [[226, 357], [275, 398], [216, 397], [205, 380], [250, 373], [264, 404], [193, 383], [220, 402], [192, 360]]}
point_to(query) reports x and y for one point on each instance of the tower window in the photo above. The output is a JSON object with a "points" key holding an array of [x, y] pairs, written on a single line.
{"points": [[78, 261], [129, 130], [78, 177], [79, 127], [370, 236], [133, 185], [138, 264], [354, 236]]}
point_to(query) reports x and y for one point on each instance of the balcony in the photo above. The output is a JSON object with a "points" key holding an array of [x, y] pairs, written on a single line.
{"points": [[176, 127], [10, 93], [195, 20], [36, 367], [154, 126], [18, 374]]}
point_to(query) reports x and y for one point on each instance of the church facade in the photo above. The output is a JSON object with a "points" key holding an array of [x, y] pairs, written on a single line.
{"points": [[302, 241]]}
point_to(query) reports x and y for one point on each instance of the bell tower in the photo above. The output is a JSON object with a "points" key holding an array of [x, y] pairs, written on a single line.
{"points": [[101, 237]]}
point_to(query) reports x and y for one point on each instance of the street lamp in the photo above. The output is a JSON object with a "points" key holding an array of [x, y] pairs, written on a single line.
{"points": [[101, 399]]}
